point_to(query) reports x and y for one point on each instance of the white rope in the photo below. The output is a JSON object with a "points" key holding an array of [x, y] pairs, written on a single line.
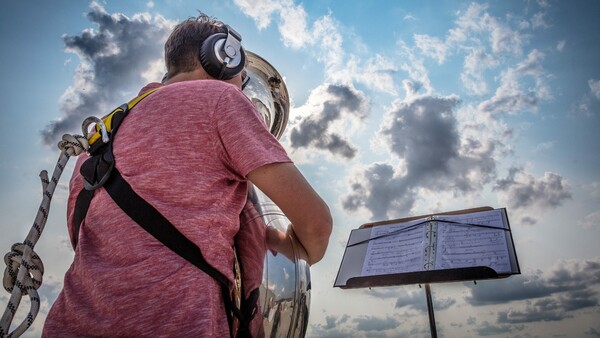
{"points": [[24, 268]]}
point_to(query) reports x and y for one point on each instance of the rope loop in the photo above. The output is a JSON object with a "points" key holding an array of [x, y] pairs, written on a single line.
{"points": [[35, 270], [73, 144], [24, 268]]}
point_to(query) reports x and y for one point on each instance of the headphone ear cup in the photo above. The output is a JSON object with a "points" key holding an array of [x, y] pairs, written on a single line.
{"points": [[212, 63], [208, 59]]}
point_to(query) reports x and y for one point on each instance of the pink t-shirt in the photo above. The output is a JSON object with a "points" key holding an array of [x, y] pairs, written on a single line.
{"points": [[186, 149]]}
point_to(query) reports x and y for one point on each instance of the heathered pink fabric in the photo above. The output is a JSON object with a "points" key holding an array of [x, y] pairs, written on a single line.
{"points": [[186, 149]]}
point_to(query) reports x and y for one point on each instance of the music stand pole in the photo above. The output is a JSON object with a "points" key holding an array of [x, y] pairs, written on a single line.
{"points": [[430, 311]]}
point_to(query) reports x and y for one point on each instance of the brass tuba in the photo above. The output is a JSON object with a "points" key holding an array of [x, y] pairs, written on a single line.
{"points": [[284, 299]]}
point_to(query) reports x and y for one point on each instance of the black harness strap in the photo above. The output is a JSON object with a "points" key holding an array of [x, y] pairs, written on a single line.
{"points": [[151, 220], [99, 171], [158, 226], [82, 204]]}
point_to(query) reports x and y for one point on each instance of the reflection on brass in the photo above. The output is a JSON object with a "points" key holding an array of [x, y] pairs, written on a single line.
{"points": [[284, 300], [268, 92]]}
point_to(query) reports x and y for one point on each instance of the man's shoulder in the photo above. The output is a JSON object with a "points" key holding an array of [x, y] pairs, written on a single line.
{"points": [[200, 85]]}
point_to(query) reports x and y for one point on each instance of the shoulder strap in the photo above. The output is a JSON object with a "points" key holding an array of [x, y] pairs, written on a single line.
{"points": [[145, 215], [97, 168], [114, 118], [151, 220]]}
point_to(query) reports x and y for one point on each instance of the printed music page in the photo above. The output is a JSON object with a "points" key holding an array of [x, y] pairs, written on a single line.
{"points": [[396, 248], [464, 245]]}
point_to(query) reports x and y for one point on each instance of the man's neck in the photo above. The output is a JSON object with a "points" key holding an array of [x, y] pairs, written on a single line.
{"points": [[196, 74]]}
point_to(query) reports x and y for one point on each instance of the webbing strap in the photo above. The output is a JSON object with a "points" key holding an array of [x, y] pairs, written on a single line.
{"points": [[82, 204], [108, 119], [151, 220]]}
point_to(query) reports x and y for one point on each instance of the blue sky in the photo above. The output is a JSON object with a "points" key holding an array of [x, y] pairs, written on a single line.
{"points": [[421, 107]]}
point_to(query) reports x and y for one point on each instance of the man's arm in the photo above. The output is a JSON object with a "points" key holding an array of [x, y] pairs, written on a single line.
{"points": [[310, 217]]}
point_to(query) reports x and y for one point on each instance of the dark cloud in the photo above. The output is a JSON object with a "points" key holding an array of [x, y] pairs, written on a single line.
{"points": [[550, 296], [331, 322], [417, 301], [522, 192], [379, 190], [541, 311], [414, 300], [488, 329], [346, 326], [518, 287], [561, 280], [330, 104], [113, 58], [593, 332], [425, 134], [386, 292], [372, 323]]}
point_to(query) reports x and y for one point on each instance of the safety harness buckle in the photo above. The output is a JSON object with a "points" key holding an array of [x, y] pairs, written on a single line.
{"points": [[97, 169]]}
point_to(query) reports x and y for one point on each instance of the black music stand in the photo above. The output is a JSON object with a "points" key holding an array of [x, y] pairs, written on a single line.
{"points": [[352, 274]]}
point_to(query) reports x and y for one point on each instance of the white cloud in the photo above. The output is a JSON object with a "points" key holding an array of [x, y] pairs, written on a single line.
{"points": [[560, 46], [528, 196], [538, 21], [293, 27], [409, 17], [587, 105], [416, 70], [114, 57], [261, 10], [591, 221], [376, 72], [324, 40], [543, 3], [432, 47], [476, 24], [329, 38], [544, 146], [504, 39], [476, 62], [594, 87], [510, 97], [594, 189]]}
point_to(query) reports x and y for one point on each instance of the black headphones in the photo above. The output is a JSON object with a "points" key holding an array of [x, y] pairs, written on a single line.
{"points": [[222, 55]]}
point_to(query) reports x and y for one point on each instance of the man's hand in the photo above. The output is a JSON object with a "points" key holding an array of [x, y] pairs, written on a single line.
{"points": [[285, 243]]}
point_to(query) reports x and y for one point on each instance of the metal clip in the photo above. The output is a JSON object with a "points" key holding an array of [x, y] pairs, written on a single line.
{"points": [[94, 120]]}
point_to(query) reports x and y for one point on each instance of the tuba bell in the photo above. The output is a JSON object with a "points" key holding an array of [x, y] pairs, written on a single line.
{"points": [[284, 298]]}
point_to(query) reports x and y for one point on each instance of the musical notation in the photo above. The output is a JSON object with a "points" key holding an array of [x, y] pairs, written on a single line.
{"points": [[402, 252], [443, 242], [452, 247]]}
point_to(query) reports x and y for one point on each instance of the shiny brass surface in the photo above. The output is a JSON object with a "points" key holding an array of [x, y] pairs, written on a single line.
{"points": [[285, 289], [268, 92]]}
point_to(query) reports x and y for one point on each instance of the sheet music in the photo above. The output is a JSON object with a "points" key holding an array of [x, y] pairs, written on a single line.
{"points": [[398, 253], [408, 252], [467, 246]]}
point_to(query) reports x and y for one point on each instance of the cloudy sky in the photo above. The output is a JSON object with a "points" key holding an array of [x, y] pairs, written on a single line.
{"points": [[398, 109]]}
